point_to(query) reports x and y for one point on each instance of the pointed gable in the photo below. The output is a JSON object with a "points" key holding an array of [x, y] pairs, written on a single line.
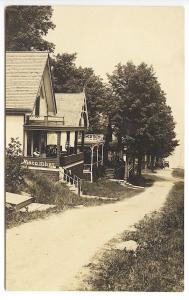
{"points": [[24, 77], [73, 107]]}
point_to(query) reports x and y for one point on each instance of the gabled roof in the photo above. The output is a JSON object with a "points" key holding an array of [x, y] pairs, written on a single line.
{"points": [[70, 107], [24, 72]]}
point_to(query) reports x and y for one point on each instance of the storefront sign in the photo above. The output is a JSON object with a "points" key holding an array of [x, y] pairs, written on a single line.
{"points": [[38, 163]]}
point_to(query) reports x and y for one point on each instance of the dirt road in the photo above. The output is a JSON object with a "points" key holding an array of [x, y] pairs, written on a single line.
{"points": [[47, 254]]}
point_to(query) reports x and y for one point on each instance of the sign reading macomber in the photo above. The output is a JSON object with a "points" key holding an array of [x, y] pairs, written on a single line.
{"points": [[38, 163]]}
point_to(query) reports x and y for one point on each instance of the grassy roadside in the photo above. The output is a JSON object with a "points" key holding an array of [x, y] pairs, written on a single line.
{"points": [[48, 192], [178, 172], [106, 188], [158, 262]]}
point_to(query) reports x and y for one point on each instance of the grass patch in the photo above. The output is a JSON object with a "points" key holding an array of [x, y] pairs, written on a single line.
{"points": [[178, 172], [157, 264], [146, 181], [106, 188], [45, 191], [50, 193]]}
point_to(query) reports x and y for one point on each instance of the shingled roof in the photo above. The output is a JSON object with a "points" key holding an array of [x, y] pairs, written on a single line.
{"points": [[24, 71], [70, 106]]}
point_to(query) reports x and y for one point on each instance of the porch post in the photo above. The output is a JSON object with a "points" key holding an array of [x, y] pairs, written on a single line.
{"points": [[92, 164], [58, 148], [25, 143], [102, 154], [39, 142], [145, 161], [32, 143], [75, 142], [97, 156], [82, 141]]}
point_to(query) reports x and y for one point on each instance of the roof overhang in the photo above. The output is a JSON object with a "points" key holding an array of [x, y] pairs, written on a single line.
{"points": [[18, 110], [53, 128]]}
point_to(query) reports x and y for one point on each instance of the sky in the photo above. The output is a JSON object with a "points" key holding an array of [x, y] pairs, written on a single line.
{"points": [[103, 36]]}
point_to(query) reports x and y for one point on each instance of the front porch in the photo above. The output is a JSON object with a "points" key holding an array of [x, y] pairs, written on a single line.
{"points": [[50, 147]]}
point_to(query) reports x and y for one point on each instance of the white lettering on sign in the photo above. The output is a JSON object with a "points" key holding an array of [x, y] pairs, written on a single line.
{"points": [[44, 164]]}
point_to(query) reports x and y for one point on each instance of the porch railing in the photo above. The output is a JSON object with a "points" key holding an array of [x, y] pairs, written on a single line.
{"points": [[88, 167], [45, 120]]}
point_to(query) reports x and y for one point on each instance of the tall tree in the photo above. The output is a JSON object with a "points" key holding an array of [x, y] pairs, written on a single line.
{"points": [[26, 27], [139, 111], [64, 70], [68, 78]]}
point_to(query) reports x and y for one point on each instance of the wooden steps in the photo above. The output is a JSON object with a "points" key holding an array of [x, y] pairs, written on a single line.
{"points": [[109, 173]]}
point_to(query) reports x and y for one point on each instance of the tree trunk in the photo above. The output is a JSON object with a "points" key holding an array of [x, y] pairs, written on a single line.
{"points": [[152, 162], [106, 148], [133, 165], [126, 170], [139, 169]]}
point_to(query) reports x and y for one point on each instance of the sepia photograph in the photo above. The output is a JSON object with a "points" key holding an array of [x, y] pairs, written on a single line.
{"points": [[94, 147]]}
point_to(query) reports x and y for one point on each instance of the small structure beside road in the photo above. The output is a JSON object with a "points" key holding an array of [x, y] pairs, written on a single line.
{"points": [[17, 201]]}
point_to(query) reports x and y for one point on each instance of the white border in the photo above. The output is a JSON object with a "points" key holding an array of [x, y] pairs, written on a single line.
{"points": [[93, 295]]}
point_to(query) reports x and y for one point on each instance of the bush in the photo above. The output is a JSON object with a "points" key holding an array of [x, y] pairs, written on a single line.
{"points": [[41, 187], [146, 181], [178, 172], [14, 170], [46, 191], [98, 172]]}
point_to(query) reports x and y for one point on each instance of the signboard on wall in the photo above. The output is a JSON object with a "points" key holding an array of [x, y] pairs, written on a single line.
{"points": [[39, 163]]}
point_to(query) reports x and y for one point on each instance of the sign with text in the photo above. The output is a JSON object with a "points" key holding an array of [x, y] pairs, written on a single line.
{"points": [[39, 163]]}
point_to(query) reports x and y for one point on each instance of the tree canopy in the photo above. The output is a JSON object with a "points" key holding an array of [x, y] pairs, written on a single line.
{"points": [[139, 111], [26, 27]]}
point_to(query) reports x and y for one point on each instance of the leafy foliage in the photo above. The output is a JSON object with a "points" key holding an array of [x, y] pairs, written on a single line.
{"points": [[47, 191], [139, 111], [178, 172], [14, 175], [26, 27]]}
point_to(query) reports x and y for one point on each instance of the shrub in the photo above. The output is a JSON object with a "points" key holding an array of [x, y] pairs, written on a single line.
{"points": [[44, 190], [178, 172], [14, 170], [41, 187]]}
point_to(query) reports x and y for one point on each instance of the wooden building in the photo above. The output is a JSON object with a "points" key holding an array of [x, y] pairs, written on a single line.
{"points": [[48, 125]]}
